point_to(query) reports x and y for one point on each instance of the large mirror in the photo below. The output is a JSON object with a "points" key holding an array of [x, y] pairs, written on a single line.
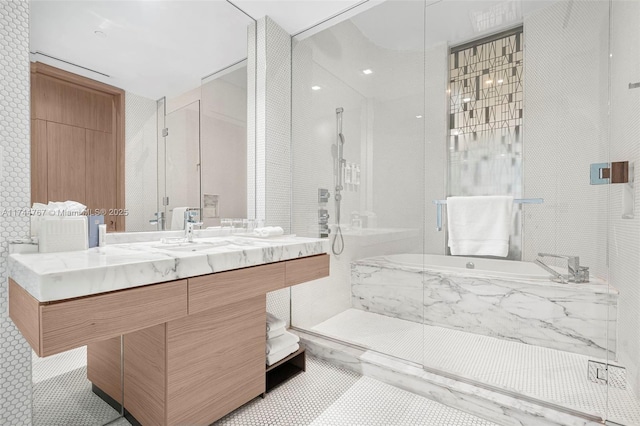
{"points": [[173, 136], [182, 69]]}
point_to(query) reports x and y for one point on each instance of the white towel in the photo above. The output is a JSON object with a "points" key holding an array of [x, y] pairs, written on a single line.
{"points": [[277, 356], [268, 231], [177, 218], [274, 323], [479, 226], [272, 334], [281, 342]]}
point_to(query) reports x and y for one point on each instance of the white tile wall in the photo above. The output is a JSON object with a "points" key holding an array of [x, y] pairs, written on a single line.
{"points": [[278, 125], [251, 121], [273, 136], [141, 167], [15, 354], [624, 253], [566, 129]]}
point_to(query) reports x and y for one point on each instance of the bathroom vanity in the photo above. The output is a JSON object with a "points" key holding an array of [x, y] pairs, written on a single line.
{"points": [[191, 318]]}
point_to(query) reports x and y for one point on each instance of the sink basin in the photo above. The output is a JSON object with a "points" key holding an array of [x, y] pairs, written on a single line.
{"points": [[194, 246]]}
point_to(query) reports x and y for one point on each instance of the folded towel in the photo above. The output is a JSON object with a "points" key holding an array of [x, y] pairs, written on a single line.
{"points": [[272, 334], [274, 323], [177, 218], [277, 356], [268, 231], [281, 342], [479, 226]]}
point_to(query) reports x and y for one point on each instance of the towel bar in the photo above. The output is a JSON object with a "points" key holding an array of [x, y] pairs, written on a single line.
{"points": [[440, 203]]}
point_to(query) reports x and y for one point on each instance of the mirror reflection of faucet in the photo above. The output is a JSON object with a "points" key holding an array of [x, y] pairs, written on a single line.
{"points": [[159, 221], [189, 222]]}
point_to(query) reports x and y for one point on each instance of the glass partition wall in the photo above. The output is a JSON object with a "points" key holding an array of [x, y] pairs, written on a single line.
{"points": [[358, 132], [406, 102]]}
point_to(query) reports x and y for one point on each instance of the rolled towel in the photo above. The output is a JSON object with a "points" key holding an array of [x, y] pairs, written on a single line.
{"points": [[272, 334], [281, 342], [274, 323], [277, 356], [268, 231]]}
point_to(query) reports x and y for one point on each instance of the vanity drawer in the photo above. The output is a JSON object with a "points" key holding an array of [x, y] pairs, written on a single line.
{"points": [[69, 324], [223, 288], [306, 269]]}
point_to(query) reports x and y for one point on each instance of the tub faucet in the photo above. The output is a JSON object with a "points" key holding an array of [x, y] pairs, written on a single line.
{"points": [[190, 222], [576, 273]]}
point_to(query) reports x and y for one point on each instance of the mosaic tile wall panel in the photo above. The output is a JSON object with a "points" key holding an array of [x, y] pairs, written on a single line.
{"points": [[485, 122], [15, 354], [624, 260]]}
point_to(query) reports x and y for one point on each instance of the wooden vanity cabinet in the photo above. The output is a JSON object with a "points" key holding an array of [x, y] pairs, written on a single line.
{"points": [[198, 368], [194, 349]]}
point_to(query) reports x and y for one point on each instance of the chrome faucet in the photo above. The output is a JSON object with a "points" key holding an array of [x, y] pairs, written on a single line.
{"points": [[576, 273], [159, 221], [190, 222]]}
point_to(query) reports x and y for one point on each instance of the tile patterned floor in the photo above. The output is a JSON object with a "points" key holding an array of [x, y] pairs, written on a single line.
{"points": [[325, 395], [548, 374]]}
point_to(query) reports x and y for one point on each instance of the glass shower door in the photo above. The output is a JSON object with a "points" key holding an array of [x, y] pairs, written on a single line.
{"points": [[182, 162], [358, 132], [526, 89]]}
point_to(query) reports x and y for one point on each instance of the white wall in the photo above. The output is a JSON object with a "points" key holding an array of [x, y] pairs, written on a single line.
{"points": [[624, 252], [565, 130], [15, 353], [141, 167], [270, 180], [223, 147]]}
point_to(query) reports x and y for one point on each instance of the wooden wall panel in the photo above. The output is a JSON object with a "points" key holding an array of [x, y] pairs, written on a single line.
{"points": [[104, 366], [214, 290], [145, 378], [66, 169], [101, 174], [39, 167], [67, 103], [63, 98], [69, 324], [215, 361]]}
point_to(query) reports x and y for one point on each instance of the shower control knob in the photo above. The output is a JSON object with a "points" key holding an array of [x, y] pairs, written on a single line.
{"points": [[338, 197]]}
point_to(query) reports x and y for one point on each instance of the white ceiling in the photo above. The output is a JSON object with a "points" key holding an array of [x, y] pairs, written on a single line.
{"points": [[295, 15], [158, 48], [163, 48]]}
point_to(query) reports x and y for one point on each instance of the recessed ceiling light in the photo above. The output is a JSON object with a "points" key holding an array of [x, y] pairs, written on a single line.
{"points": [[500, 81], [316, 87], [489, 81], [100, 34], [466, 99], [418, 116], [367, 71], [455, 132]]}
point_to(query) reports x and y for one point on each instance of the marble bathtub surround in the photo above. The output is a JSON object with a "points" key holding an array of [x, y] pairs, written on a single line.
{"points": [[64, 275], [578, 318]]}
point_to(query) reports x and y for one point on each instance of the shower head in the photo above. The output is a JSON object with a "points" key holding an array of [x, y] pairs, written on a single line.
{"points": [[339, 110], [341, 136]]}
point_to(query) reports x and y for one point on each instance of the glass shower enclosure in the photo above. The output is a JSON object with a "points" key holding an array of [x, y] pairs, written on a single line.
{"points": [[403, 103]]}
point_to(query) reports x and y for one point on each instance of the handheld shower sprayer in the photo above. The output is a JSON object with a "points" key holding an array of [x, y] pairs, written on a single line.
{"points": [[338, 241]]}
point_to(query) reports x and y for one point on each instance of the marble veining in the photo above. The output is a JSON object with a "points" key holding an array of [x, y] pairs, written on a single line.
{"points": [[578, 318], [57, 276]]}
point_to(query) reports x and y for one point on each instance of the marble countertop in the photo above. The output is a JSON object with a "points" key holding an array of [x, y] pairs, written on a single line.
{"points": [[57, 276]]}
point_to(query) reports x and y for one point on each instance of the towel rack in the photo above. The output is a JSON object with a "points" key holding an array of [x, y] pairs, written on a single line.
{"points": [[440, 203]]}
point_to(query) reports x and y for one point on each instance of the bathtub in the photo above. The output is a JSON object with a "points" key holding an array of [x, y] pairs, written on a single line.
{"points": [[505, 299]]}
